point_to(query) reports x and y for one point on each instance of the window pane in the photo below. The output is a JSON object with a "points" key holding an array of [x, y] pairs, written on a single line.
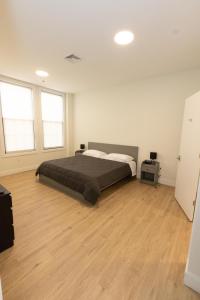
{"points": [[19, 135], [53, 134], [17, 113], [52, 107], [53, 120], [16, 102]]}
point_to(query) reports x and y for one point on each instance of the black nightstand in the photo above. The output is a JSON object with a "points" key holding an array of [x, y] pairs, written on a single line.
{"points": [[150, 172], [79, 152]]}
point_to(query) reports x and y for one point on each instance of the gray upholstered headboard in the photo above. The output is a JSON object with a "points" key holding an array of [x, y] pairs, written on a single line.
{"points": [[109, 148]]}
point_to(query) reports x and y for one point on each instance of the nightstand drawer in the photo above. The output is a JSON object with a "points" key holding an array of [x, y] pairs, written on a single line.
{"points": [[148, 168]]}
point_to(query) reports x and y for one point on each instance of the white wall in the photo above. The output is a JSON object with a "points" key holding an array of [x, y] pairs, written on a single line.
{"points": [[192, 273], [147, 113], [14, 163]]}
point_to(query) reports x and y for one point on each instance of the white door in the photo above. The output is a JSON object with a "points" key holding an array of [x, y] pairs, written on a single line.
{"points": [[1, 296], [189, 158]]}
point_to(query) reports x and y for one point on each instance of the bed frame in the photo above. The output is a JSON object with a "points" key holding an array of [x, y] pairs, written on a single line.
{"points": [[108, 148]]}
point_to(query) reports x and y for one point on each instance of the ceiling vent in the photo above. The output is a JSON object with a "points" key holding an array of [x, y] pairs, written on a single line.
{"points": [[72, 58]]}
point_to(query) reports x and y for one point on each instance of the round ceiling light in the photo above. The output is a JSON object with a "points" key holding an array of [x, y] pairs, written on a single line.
{"points": [[41, 73], [124, 37]]}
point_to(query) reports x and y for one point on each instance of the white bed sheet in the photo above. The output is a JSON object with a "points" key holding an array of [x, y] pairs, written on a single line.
{"points": [[132, 165]]}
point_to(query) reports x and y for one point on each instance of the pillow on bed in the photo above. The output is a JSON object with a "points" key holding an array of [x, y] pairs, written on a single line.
{"points": [[119, 157], [94, 153]]}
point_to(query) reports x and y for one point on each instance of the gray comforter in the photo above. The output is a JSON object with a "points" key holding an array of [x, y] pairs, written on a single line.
{"points": [[85, 174]]}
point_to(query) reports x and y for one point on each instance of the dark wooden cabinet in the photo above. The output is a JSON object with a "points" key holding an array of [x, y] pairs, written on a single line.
{"points": [[6, 220]]}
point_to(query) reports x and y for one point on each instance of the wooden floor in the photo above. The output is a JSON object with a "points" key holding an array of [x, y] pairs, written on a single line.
{"points": [[132, 246]]}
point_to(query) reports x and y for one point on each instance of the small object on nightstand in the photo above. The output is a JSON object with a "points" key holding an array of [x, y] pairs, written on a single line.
{"points": [[79, 152], [82, 146], [150, 172], [153, 155]]}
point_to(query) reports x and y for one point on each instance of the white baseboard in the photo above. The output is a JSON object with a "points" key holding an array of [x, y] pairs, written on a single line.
{"points": [[18, 170], [167, 181], [192, 281], [163, 180]]}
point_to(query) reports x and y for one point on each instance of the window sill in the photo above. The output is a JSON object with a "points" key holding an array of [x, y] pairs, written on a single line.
{"points": [[53, 149], [34, 152], [15, 154]]}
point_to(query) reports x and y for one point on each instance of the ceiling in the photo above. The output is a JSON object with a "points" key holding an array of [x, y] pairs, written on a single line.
{"points": [[38, 34]]}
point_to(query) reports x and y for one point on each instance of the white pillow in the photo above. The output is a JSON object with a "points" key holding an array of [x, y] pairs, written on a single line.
{"points": [[94, 153], [119, 157]]}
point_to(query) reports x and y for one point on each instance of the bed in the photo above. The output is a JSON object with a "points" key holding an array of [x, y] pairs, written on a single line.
{"points": [[85, 176]]}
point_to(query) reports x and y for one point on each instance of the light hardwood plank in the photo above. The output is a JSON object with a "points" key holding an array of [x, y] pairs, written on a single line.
{"points": [[131, 246]]}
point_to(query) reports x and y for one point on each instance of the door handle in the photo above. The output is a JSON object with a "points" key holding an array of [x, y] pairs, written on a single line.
{"points": [[178, 157]]}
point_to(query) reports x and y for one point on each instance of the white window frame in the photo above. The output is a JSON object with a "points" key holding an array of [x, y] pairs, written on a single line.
{"points": [[53, 92], [2, 143]]}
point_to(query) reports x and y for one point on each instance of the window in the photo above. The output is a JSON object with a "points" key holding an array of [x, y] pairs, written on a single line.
{"points": [[17, 114], [53, 120]]}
